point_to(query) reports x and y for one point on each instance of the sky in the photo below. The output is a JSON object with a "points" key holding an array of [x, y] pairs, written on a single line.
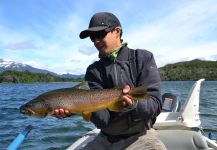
{"points": [[45, 33]]}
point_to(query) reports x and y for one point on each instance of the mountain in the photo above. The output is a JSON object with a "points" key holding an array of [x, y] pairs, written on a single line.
{"points": [[68, 75], [189, 70], [11, 65], [186, 70], [15, 66]]}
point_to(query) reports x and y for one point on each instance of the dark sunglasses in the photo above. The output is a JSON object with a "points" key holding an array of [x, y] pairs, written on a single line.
{"points": [[100, 34]]}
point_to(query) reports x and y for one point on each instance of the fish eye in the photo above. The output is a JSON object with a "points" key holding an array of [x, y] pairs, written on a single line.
{"points": [[34, 105]]}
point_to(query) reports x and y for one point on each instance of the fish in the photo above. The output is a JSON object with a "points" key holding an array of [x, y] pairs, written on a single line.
{"points": [[80, 101]]}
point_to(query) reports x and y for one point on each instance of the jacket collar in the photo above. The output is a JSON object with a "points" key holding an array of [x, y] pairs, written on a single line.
{"points": [[119, 54]]}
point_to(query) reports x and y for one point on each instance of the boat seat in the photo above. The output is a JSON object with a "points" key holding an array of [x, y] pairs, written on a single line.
{"points": [[182, 140], [170, 103]]}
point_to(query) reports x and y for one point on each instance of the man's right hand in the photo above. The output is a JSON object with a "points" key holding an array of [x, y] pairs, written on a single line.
{"points": [[61, 113], [127, 100]]}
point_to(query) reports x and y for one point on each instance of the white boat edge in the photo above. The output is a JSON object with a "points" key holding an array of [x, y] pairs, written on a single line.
{"points": [[186, 119]]}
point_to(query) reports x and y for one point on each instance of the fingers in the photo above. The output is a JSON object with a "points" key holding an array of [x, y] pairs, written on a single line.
{"points": [[127, 99], [126, 89], [61, 113]]}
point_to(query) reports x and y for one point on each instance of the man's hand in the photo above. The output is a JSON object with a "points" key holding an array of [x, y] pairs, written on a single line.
{"points": [[127, 99], [62, 113]]}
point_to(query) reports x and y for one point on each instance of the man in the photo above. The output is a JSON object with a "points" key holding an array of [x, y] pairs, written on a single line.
{"points": [[120, 66]]}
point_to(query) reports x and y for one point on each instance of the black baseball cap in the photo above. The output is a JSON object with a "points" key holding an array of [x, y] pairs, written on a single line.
{"points": [[102, 21]]}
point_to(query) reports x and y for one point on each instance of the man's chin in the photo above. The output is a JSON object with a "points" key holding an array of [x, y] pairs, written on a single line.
{"points": [[103, 52]]}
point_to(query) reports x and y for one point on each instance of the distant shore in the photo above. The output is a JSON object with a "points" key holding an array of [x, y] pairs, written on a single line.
{"points": [[182, 71]]}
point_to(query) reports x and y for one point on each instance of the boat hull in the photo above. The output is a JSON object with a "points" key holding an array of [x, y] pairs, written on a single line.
{"points": [[177, 130]]}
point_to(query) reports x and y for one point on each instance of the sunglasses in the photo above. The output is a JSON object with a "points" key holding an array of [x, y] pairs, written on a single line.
{"points": [[100, 34]]}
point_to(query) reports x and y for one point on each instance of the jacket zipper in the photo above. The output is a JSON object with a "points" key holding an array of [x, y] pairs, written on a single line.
{"points": [[115, 72]]}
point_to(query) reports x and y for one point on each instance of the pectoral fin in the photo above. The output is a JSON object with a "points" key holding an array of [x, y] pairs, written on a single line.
{"points": [[139, 93], [86, 116], [116, 106]]}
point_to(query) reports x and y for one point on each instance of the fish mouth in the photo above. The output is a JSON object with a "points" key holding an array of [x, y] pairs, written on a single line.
{"points": [[27, 111]]}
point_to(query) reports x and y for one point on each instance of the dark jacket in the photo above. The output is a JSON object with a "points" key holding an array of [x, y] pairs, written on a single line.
{"points": [[106, 73]]}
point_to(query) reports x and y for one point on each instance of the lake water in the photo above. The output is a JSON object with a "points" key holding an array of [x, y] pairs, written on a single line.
{"points": [[55, 134]]}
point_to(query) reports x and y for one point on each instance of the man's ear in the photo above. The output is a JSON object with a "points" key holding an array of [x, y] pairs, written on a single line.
{"points": [[118, 31]]}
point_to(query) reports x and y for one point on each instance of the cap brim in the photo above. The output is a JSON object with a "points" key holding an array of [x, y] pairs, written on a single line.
{"points": [[90, 31]]}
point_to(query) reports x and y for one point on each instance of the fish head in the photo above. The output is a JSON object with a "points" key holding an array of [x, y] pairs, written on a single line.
{"points": [[35, 107]]}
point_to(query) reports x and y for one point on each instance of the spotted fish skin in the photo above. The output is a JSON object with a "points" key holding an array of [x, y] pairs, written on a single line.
{"points": [[79, 101]]}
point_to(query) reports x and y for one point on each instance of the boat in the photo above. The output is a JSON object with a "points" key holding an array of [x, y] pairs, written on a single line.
{"points": [[177, 126]]}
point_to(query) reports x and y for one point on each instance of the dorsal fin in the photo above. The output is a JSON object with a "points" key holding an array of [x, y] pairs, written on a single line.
{"points": [[82, 85]]}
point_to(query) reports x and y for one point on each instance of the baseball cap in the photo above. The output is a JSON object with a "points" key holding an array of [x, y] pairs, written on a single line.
{"points": [[102, 21]]}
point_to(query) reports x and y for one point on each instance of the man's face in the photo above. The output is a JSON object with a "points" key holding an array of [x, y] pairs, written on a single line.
{"points": [[105, 42]]}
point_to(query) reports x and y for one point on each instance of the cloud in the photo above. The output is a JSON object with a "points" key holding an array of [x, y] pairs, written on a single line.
{"points": [[173, 31], [35, 64], [186, 23], [214, 57], [87, 50], [20, 45], [186, 26], [205, 51]]}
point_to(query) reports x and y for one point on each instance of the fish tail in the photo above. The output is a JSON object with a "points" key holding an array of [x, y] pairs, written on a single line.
{"points": [[139, 93]]}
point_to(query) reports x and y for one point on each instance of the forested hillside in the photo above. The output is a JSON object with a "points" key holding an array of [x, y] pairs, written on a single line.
{"points": [[28, 77], [190, 70]]}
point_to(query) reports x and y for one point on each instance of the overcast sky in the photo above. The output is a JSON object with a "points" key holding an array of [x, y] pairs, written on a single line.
{"points": [[45, 33]]}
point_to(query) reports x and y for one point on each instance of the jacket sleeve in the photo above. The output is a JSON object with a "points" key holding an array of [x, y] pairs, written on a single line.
{"points": [[148, 76], [99, 118]]}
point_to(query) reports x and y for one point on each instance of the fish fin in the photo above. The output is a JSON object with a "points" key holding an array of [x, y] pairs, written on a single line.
{"points": [[139, 93], [116, 106], [83, 85], [86, 116]]}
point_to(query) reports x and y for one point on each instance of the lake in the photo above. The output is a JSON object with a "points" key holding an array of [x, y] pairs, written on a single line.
{"points": [[55, 134]]}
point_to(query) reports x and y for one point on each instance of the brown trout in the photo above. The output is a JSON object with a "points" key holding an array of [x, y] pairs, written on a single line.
{"points": [[80, 101]]}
